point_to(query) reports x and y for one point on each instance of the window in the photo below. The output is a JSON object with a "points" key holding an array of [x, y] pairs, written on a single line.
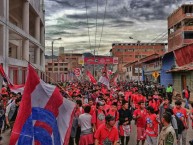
{"points": [[49, 69], [188, 9], [55, 64], [130, 68], [188, 35], [55, 69], [61, 69], [65, 69]]}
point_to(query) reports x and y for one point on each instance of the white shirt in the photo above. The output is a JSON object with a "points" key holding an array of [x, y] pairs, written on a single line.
{"points": [[84, 121]]}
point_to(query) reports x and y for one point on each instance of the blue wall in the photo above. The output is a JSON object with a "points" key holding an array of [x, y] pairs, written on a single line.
{"points": [[167, 62]]}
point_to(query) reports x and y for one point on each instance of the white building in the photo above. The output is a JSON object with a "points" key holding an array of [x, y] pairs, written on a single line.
{"points": [[22, 37]]}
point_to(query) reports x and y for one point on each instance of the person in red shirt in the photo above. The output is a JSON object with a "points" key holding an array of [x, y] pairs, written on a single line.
{"points": [[93, 107], [113, 111], [98, 116], [151, 127], [107, 133], [154, 103], [181, 113], [191, 114], [140, 117]]}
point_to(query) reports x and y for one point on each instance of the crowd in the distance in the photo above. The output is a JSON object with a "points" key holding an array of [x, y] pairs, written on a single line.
{"points": [[104, 116]]}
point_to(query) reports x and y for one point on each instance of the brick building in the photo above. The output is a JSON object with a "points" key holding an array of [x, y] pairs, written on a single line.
{"points": [[63, 66], [130, 52], [180, 27]]}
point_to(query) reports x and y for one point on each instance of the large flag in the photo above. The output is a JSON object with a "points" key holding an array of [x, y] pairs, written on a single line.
{"points": [[91, 78], [44, 116]]}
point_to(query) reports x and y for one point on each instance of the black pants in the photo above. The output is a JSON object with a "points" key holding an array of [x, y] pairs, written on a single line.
{"points": [[123, 140], [77, 138], [169, 95]]}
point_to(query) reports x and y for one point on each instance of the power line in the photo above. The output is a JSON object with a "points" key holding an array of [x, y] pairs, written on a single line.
{"points": [[96, 24], [102, 26], [87, 24]]}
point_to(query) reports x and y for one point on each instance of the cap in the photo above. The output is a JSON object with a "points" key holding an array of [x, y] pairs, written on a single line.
{"points": [[99, 103], [109, 118]]}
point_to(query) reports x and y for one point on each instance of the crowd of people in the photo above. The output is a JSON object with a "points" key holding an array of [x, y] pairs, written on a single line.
{"points": [[104, 116]]}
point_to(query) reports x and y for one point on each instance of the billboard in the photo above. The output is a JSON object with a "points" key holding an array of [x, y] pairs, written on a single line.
{"points": [[101, 60]]}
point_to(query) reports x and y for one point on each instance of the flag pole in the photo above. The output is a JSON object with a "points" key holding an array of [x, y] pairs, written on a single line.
{"points": [[52, 80]]}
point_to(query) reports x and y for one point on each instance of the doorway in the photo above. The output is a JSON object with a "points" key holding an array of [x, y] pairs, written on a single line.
{"points": [[183, 79]]}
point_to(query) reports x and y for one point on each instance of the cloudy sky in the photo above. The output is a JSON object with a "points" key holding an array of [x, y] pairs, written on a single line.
{"points": [[143, 20]]}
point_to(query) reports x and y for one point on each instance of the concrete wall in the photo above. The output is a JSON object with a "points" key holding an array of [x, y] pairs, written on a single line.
{"points": [[178, 81], [15, 39]]}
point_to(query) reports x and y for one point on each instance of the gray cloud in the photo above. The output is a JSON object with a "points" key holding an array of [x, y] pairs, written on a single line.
{"points": [[141, 19]]}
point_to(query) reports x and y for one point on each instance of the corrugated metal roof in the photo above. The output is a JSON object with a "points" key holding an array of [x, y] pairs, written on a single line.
{"points": [[188, 67]]}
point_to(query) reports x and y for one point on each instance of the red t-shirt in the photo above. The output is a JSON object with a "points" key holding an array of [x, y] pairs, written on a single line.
{"points": [[103, 134], [191, 115], [152, 125], [98, 118], [154, 104], [141, 121], [114, 114], [79, 111], [92, 110], [181, 113]]}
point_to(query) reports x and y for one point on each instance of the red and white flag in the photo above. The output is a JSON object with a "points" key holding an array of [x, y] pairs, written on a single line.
{"points": [[14, 88], [77, 72], [91, 78], [114, 79], [44, 117]]}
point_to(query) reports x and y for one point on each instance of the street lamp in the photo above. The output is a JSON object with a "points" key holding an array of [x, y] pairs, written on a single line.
{"points": [[139, 56]]}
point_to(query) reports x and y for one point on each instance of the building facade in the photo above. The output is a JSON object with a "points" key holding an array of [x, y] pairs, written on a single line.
{"points": [[178, 61], [22, 37], [63, 67], [151, 65], [130, 52], [180, 27]]}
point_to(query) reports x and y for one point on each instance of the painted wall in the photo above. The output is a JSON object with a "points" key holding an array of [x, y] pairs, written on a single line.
{"points": [[178, 81], [167, 62]]}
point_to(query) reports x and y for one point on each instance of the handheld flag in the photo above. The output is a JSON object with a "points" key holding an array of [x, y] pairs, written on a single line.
{"points": [[91, 78], [44, 116]]}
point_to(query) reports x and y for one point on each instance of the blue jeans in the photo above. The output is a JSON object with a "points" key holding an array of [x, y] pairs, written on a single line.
{"points": [[186, 103]]}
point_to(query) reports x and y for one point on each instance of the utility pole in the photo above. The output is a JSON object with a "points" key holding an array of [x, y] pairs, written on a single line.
{"points": [[138, 43], [94, 64]]}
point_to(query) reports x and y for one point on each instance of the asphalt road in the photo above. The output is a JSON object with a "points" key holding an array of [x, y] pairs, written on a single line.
{"points": [[132, 141]]}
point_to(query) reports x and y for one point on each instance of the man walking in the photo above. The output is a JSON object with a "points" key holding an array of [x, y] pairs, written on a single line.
{"points": [[107, 134], [167, 135]]}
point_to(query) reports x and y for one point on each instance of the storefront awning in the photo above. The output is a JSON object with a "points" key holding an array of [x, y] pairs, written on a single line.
{"points": [[184, 68]]}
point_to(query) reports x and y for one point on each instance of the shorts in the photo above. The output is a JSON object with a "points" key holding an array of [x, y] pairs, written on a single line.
{"points": [[141, 133]]}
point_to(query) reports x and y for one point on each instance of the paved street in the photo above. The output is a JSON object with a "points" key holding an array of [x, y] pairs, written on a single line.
{"points": [[132, 141]]}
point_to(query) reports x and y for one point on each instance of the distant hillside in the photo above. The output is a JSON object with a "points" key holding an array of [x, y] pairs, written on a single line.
{"points": [[50, 57]]}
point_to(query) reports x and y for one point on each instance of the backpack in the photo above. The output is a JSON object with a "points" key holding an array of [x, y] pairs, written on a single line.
{"points": [[180, 124]]}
